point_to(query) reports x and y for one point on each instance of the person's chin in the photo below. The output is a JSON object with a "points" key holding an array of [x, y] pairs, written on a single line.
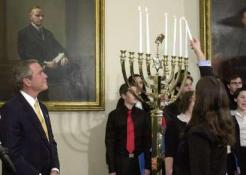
{"points": [[45, 87], [39, 24]]}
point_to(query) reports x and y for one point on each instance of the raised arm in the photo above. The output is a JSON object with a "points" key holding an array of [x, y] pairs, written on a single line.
{"points": [[196, 46], [204, 65]]}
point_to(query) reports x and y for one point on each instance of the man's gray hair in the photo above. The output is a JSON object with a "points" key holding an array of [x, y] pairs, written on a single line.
{"points": [[21, 71]]}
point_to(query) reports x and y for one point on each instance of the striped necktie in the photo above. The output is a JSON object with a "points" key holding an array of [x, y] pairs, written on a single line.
{"points": [[41, 118]]}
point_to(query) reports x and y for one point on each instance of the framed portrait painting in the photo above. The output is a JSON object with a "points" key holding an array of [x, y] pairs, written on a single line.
{"points": [[223, 28], [69, 44]]}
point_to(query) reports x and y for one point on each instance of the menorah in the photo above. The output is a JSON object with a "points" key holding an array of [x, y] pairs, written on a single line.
{"points": [[160, 82]]}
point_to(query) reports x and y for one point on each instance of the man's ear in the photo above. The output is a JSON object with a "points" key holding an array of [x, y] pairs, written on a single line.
{"points": [[228, 86], [26, 82]]}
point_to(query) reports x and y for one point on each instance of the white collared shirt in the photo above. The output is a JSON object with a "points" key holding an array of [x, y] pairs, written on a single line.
{"points": [[241, 120], [182, 117], [30, 100], [36, 27], [139, 105], [204, 63], [233, 112]]}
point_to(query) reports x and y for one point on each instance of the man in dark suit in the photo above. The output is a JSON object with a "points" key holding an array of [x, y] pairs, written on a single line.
{"points": [[26, 127], [127, 136]]}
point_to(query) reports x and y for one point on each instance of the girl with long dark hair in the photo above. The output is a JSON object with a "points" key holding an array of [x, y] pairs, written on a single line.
{"points": [[203, 150]]}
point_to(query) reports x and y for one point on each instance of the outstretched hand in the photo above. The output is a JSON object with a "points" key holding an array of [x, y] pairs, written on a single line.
{"points": [[195, 44]]}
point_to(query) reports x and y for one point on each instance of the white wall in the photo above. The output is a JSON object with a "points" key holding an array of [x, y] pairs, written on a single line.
{"points": [[80, 135]]}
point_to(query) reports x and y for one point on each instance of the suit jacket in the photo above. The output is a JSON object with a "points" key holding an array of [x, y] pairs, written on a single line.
{"points": [[32, 46], [116, 130], [30, 150], [206, 71]]}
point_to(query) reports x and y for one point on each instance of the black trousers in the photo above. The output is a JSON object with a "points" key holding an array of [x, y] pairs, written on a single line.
{"points": [[231, 164], [127, 166]]}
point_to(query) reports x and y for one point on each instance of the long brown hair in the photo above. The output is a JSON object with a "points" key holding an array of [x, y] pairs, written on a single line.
{"points": [[212, 109]]}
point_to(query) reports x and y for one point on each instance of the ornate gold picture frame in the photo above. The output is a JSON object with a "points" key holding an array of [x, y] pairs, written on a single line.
{"points": [[79, 27], [205, 30], [221, 28]]}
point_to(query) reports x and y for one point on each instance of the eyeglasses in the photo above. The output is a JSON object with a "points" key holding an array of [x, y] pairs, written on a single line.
{"points": [[236, 83]]}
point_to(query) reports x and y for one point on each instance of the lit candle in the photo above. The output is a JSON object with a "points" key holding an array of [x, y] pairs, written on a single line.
{"points": [[180, 36], [147, 31], [140, 30], [165, 33], [174, 35]]}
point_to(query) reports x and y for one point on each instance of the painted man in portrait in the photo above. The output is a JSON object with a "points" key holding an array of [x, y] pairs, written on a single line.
{"points": [[37, 42]]}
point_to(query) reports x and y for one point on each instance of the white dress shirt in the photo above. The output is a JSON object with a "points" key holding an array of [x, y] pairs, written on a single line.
{"points": [[241, 120], [182, 117], [204, 63]]}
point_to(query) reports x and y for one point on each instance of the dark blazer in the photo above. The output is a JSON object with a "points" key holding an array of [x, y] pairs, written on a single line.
{"points": [[236, 149], [171, 111], [237, 145], [206, 71], [174, 132], [115, 138], [22, 134], [32, 46], [200, 153]]}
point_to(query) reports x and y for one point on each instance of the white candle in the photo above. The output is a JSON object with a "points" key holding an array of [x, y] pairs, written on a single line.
{"points": [[188, 29], [174, 35], [186, 42], [147, 31], [165, 33], [180, 36], [140, 29]]}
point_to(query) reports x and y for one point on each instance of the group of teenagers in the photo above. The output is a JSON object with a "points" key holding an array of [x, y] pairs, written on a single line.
{"points": [[205, 131]]}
